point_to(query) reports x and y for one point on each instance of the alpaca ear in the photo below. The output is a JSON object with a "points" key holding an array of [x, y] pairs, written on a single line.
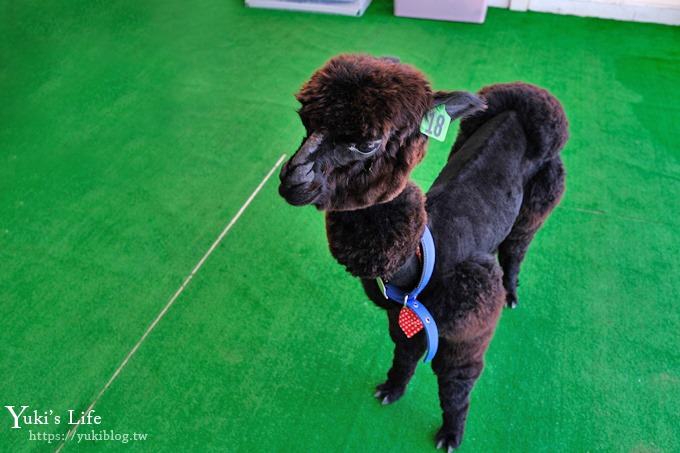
{"points": [[390, 58], [459, 103]]}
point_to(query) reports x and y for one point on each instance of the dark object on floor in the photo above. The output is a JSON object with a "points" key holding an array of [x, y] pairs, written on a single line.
{"points": [[502, 179]]}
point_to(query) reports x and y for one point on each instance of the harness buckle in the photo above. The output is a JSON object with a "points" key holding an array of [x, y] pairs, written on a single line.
{"points": [[381, 287]]}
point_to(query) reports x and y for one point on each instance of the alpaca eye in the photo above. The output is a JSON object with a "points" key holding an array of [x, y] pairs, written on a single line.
{"points": [[366, 148]]}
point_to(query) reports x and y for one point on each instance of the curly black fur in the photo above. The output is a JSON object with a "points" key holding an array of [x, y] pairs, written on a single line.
{"points": [[376, 241], [541, 117], [502, 179]]}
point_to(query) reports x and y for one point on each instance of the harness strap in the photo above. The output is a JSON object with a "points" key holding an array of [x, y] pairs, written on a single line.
{"points": [[409, 299]]}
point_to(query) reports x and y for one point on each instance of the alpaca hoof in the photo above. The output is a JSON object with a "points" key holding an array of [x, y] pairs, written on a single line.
{"points": [[447, 440], [511, 301], [387, 394]]}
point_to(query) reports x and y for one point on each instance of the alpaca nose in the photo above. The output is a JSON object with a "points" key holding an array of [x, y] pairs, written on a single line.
{"points": [[299, 183], [299, 169]]}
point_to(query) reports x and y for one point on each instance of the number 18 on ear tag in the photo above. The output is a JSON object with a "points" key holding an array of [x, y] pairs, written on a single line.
{"points": [[436, 122]]}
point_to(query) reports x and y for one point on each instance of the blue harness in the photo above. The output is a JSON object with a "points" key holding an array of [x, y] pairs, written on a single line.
{"points": [[410, 300]]}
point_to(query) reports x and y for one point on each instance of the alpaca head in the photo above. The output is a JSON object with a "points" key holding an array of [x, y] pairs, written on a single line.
{"points": [[362, 119]]}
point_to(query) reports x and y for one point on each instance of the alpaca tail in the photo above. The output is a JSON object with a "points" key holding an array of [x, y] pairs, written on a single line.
{"points": [[539, 112]]}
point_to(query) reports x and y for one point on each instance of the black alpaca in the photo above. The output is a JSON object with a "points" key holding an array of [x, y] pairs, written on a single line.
{"points": [[502, 179]]}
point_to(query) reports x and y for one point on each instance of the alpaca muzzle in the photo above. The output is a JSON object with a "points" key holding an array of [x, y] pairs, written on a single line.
{"points": [[300, 184]]}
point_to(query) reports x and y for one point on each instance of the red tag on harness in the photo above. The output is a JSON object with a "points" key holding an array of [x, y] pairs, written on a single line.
{"points": [[409, 322]]}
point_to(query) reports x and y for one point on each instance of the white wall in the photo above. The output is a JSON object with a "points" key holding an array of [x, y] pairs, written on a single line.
{"points": [[658, 11]]}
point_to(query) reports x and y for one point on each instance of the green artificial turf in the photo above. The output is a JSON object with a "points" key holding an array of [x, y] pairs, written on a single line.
{"points": [[131, 132]]}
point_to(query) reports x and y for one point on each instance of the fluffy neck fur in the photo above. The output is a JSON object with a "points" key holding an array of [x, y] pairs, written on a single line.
{"points": [[380, 240]]}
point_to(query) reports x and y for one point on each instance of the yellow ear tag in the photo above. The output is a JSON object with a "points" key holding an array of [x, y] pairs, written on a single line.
{"points": [[436, 123]]}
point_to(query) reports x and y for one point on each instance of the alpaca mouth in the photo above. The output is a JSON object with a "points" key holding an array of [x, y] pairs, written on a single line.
{"points": [[300, 194]]}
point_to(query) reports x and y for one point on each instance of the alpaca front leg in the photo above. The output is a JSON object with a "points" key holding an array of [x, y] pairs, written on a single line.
{"points": [[475, 297], [455, 383], [407, 352]]}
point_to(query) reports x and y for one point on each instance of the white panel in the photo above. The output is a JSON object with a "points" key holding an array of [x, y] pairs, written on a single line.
{"points": [[355, 8]]}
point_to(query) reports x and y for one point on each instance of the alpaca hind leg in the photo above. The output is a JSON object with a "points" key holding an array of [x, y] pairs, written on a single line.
{"points": [[407, 352], [541, 194]]}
